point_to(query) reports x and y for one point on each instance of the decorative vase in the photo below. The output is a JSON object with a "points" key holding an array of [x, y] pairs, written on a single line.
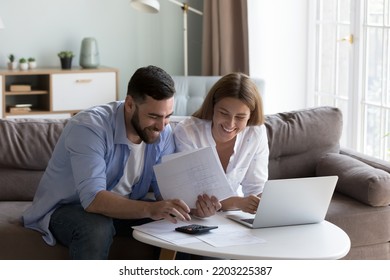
{"points": [[32, 64], [23, 66], [12, 65], [89, 53]]}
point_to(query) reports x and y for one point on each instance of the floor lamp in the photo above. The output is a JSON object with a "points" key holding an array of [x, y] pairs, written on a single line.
{"points": [[153, 6]]}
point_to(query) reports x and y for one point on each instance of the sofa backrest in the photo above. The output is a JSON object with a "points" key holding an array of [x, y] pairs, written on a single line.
{"points": [[28, 143], [26, 147], [298, 139], [191, 90]]}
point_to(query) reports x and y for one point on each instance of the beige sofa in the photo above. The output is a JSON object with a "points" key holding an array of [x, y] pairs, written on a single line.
{"points": [[302, 143]]}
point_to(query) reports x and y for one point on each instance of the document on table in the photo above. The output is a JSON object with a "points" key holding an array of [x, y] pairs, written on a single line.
{"points": [[165, 230], [189, 174], [221, 237]]}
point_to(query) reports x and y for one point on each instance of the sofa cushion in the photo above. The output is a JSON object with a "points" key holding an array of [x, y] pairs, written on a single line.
{"points": [[298, 139], [357, 179], [18, 242], [19, 185], [28, 143], [365, 225]]}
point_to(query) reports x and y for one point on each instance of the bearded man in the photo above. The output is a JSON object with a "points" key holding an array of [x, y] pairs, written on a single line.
{"points": [[102, 169]]}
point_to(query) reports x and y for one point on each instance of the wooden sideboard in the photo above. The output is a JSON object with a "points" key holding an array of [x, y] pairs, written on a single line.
{"points": [[55, 93]]}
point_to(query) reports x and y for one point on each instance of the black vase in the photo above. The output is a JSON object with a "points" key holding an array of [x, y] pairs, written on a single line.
{"points": [[66, 62]]}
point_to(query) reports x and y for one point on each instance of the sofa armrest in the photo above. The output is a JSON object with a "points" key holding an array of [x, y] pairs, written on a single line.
{"points": [[372, 161], [357, 179]]}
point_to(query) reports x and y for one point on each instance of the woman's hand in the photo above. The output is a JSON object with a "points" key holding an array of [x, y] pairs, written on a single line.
{"points": [[206, 206], [249, 203]]}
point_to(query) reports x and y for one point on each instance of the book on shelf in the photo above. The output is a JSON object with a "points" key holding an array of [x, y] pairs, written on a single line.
{"points": [[20, 108], [19, 88]]}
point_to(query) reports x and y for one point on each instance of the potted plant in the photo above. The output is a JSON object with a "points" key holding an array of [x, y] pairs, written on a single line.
{"points": [[66, 59], [23, 64], [32, 64], [12, 64]]}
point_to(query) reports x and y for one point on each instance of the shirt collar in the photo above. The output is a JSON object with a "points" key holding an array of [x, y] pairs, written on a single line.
{"points": [[120, 136]]}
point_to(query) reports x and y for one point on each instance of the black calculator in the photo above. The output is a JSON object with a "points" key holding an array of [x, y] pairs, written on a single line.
{"points": [[195, 229]]}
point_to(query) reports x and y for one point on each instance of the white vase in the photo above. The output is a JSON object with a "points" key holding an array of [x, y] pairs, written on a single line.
{"points": [[23, 66], [32, 64]]}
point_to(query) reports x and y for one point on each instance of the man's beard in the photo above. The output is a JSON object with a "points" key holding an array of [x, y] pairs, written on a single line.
{"points": [[142, 133]]}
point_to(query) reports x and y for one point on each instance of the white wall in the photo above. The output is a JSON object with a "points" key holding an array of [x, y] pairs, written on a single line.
{"points": [[127, 39], [278, 51]]}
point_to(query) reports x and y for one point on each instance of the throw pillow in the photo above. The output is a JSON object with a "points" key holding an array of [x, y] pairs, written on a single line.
{"points": [[357, 179]]}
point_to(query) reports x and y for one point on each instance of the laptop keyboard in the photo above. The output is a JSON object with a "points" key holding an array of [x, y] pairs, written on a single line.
{"points": [[249, 221]]}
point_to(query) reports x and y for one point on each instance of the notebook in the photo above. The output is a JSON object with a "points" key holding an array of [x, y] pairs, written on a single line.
{"points": [[288, 202]]}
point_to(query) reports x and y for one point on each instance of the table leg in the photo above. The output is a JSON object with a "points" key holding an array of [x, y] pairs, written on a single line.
{"points": [[166, 254]]}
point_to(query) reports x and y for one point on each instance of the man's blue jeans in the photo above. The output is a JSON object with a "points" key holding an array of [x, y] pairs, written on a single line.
{"points": [[87, 235]]}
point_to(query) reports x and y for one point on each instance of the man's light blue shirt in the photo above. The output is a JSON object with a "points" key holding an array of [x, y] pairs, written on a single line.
{"points": [[90, 156]]}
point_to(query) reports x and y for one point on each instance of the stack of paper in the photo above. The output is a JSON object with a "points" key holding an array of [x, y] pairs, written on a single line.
{"points": [[189, 174]]}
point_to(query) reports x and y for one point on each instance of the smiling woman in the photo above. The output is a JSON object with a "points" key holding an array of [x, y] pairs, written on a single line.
{"points": [[231, 118]]}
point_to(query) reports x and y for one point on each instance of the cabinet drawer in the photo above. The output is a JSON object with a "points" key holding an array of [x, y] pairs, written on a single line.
{"points": [[79, 91]]}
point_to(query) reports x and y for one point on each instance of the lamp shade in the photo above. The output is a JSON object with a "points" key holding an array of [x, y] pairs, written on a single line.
{"points": [[1, 23], [147, 6]]}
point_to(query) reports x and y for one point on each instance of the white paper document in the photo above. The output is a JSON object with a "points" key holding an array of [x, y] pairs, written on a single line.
{"points": [[165, 230], [223, 236], [189, 174]]}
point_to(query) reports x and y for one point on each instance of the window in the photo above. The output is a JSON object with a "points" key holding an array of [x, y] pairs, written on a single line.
{"points": [[351, 63], [376, 76]]}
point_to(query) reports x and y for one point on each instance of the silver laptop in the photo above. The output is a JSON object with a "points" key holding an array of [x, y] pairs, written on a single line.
{"points": [[288, 202]]}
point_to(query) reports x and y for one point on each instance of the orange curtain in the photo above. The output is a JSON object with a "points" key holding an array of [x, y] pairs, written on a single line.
{"points": [[225, 37]]}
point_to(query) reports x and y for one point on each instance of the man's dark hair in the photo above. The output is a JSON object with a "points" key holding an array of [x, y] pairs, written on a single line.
{"points": [[150, 81]]}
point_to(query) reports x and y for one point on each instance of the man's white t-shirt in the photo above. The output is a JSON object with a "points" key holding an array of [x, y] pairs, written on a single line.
{"points": [[133, 169]]}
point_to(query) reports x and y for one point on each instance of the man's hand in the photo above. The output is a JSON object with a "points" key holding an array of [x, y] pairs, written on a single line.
{"points": [[116, 206], [206, 206], [171, 210]]}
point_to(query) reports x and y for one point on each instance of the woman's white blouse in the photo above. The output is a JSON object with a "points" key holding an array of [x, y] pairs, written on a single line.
{"points": [[248, 166]]}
